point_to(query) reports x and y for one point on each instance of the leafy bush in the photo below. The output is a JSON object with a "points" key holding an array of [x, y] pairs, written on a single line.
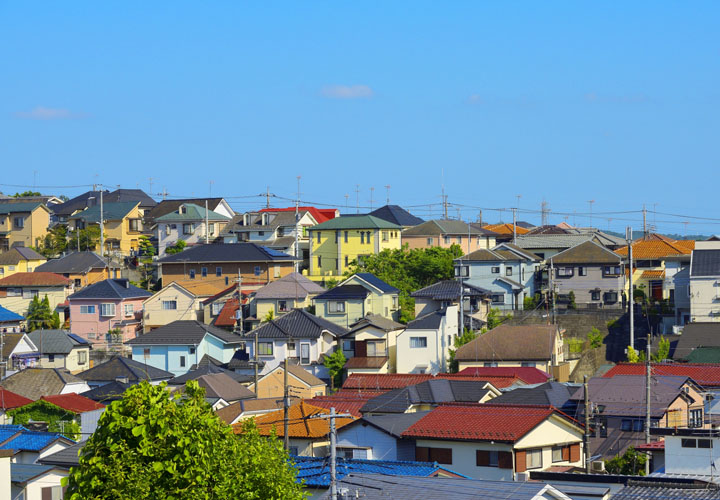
{"points": [[595, 337], [631, 463]]}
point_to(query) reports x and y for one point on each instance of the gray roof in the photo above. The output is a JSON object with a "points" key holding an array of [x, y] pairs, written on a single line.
{"points": [[696, 335], [355, 222], [297, 324], [549, 393], [289, 287], [111, 211], [448, 290], [107, 393], [588, 252], [134, 195], [73, 263], [679, 492], [374, 281], [192, 212], [69, 457], [184, 332], [502, 252], [441, 227], [281, 218], [16, 254], [344, 292], [705, 263], [221, 385], [382, 487], [110, 289], [121, 367], [54, 341], [35, 382], [558, 241], [431, 392], [511, 343], [397, 215], [166, 206], [21, 473], [11, 207], [380, 322], [228, 252], [80, 202], [394, 424], [429, 321], [207, 368]]}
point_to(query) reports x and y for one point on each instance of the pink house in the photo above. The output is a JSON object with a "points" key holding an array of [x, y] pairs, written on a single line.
{"points": [[107, 312]]}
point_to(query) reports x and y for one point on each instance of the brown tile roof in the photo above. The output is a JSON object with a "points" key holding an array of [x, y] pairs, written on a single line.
{"points": [[366, 362], [301, 424], [588, 252], [653, 274], [343, 403], [506, 229], [227, 313], [35, 382], [34, 279], [11, 340], [511, 343], [304, 375]]}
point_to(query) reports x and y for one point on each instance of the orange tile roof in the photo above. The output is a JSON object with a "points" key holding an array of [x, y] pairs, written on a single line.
{"points": [[656, 249], [34, 279], [653, 274], [506, 229], [300, 425]]}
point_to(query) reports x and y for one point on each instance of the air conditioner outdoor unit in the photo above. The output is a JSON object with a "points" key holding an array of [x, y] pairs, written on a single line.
{"points": [[597, 466], [523, 476]]}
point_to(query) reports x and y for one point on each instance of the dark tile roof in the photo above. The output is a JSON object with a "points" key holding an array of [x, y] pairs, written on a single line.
{"points": [[80, 202], [69, 457], [394, 424], [229, 413], [443, 227], [696, 335], [10, 342], [482, 229], [344, 292], [16, 254], [35, 382], [53, 341], [221, 385], [229, 252], [288, 287], [377, 321], [550, 393], [110, 289], [656, 492], [111, 211], [120, 367], [376, 282], [192, 212], [429, 321], [705, 263], [396, 215], [185, 332], [448, 290], [134, 195], [109, 392], [432, 392], [21, 473], [166, 206], [588, 252], [207, 369], [705, 375], [73, 263], [506, 343], [298, 324]]}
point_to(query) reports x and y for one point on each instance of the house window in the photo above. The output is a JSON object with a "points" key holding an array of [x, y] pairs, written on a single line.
{"points": [[51, 358], [182, 361], [695, 418], [107, 310], [610, 297], [345, 237], [19, 222], [346, 261], [212, 228], [495, 269], [14, 292], [418, 342], [528, 364], [78, 283], [490, 364], [87, 309], [258, 270], [336, 307], [192, 350], [595, 295], [304, 353], [188, 228], [282, 306], [218, 271], [261, 233], [203, 272], [82, 357], [508, 271], [462, 271], [485, 458], [30, 294], [337, 237], [146, 353], [318, 236], [362, 237], [498, 298], [217, 307], [265, 348], [51, 493], [704, 443], [375, 348], [169, 305], [12, 268], [688, 443], [534, 459], [564, 272], [192, 274], [429, 241], [134, 225], [319, 261], [582, 271], [385, 236], [439, 455], [167, 229], [129, 310], [349, 345], [611, 271], [558, 453], [291, 346], [626, 425]]}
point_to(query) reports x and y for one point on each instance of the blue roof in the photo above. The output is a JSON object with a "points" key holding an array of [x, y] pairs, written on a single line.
{"points": [[7, 315], [21, 473], [31, 441], [316, 471], [8, 431], [377, 282], [78, 339]]}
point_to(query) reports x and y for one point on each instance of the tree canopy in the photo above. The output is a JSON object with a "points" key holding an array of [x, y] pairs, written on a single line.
{"points": [[39, 315], [27, 193], [631, 463], [154, 444], [409, 270], [335, 364], [58, 419], [178, 247]]}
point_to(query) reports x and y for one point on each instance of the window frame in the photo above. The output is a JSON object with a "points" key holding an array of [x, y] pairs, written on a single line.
{"points": [[534, 452], [263, 349], [420, 343], [165, 305], [495, 270], [104, 309], [334, 307]]}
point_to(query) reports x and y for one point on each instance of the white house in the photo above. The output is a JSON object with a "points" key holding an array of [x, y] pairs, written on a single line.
{"points": [[190, 223], [705, 282], [423, 347]]}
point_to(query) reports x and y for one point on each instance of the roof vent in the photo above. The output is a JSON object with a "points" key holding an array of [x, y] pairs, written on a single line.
{"points": [[122, 380]]}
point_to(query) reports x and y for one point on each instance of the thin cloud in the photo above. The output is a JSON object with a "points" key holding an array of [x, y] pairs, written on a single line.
{"points": [[347, 92], [43, 113]]}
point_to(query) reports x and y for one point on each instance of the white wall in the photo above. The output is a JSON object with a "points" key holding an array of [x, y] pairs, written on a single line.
{"points": [[679, 460], [433, 357], [33, 490]]}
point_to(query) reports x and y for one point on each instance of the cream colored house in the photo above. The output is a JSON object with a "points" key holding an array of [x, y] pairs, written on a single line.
{"points": [[18, 290], [301, 383], [704, 288], [371, 345], [424, 345], [19, 260], [172, 303], [293, 291], [61, 349], [123, 225]]}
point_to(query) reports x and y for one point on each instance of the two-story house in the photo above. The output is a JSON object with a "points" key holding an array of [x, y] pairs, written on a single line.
{"points": [[172, 303], [22, 224], [218, 205], [123, 225], [63, 211], [190, 223], [424, 346], [445, 233], [179, 345], [107, 312], [209, 269], [299, 336], [370, 346], [476, 301], [592, 273], [293, 291], [61, 349], [507, 272], [357, 296], [19, 260], [82, 268], [18, 290], [705, 282], [338, 242]]}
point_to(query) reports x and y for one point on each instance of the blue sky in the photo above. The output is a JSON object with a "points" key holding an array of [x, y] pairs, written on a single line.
{"points": [[562, 101]]}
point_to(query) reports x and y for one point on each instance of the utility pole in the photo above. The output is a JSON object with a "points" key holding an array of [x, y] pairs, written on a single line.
{"points": [[514, 227], [347, 209], [645, 233], [164, 193], [333, 447], [586, 436], [102, 225], [151, 183], [357, 198], [267, 197], [591, 204], [297, 228], [256, 361], [242, 326], [648, 369], [286, 402], [372, 190], [551, 282], [631, 295], [207, 221]]}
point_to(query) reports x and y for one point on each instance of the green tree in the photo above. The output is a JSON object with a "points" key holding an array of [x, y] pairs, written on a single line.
{"points": [[27, 193], [88, 239], [530, 303], [631, 463], [58, 419], [663, 351], [459, 341], [635, 357], [39, 315], [154, 444], [147, 250], [178, 247], [595, 337], [335, 364], [331, 283], [571, 300], [269, 316], [55, 242], [496, 318]]}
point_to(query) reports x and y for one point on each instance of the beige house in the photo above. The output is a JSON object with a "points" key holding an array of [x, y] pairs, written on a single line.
{"points": [[61, 349], [18, 290], [446, 233], [289, 292], [22, 224], [371, 345], [301, 383], [172, 303]]}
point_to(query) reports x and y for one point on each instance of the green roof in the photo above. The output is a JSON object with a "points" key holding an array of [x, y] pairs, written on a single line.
{"points": [[111, 211], [704, 355], [23, 206], [355, 222], [192, 212]]}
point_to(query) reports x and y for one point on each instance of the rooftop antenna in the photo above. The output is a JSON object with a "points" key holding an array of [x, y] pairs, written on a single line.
{"points": [[591, 204], [267, 197], [150, 179], [372, 190], [357, 198], [387, 188], [444, 197], [347, 196], [544, 210]]}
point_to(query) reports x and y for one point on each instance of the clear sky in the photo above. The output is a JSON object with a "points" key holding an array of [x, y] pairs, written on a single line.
{"points": [[562, 101]]}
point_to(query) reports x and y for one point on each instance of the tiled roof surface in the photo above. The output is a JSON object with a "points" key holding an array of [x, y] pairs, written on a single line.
{"points": [[111, 211], [397, 215], [226, 317], [221, 385], [442, 227], [550, 393], [707, 375], [655, 249], [448, 290], [344, 292], [355, 222], [184, 332], [588, 252], [192, 212], [69, 457], [10, 400], [31, 441], [7, 431], [506, 342], [298, 324], [639, 492], [6, 315], [374, 281], [121, 367], [304, 375], [289, 287], [233, 411], [167, 206], [653, 274], [654, 445], [52, 341], [228, 252], [372, 362], [10, 342], [376, 321], [430, 392], [22, 473], [386, 381], [15, 255], [73, 402], [107, 393], [429, 321], [36, 382], [10, 208], [506, 229], [110, 289], [529, 375], [73, 263], [301, 425], [341, 404], [505, 423], [34, 279], [131, 195]]}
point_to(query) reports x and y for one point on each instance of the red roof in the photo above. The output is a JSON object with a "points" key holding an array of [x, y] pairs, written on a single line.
{"points": [[655, 445], [227, 313], [529, 375], [384, 381], [345, 403], [73, 402], [319, 214], [478, 422], [10, 400], [34, 279], [707, 375]]}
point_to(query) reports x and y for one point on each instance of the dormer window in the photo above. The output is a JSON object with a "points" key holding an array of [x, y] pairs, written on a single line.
{"points": [[182, 209]]}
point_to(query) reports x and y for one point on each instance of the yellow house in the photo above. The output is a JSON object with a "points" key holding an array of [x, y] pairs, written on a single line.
{"points": [[22, 224], [19, 260], [172, 303], [123, 224], [336, 243]]}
